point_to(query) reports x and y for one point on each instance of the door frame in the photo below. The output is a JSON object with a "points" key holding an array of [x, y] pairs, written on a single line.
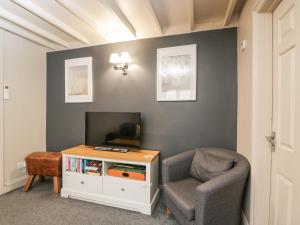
{"points": [[262, 91], [1, 112]]}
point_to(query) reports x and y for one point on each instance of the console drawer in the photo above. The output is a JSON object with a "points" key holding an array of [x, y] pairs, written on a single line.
{"points": [[124, 189], [83, 183]]}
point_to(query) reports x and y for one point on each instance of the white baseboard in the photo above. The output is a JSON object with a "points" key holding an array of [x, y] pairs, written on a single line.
{"points": [[13, 181], [244, 219], [13, 184], [103, 199]]}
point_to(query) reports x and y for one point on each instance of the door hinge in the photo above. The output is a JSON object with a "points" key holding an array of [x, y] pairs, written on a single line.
{"points": [[272, 140]]}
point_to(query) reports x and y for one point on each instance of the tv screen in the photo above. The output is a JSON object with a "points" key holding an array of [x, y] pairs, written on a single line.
{"points": [[113, 129]]}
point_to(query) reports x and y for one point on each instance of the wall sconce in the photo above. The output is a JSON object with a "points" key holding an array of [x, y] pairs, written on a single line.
{"points": [[120, 61]]}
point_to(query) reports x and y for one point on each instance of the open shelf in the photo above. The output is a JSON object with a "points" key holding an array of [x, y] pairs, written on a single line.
{"points": [[84, 166], [92, 167], [125, 171]]}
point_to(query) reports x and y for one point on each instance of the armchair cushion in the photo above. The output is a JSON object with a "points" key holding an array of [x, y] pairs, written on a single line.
{"points": [[182, 194], [206, 166]]}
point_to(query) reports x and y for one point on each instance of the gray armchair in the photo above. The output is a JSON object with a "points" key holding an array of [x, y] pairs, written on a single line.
{"points": [[214, 202]]}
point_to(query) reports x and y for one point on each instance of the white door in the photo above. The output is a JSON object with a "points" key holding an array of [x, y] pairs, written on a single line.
{"points": [[285, 185]]}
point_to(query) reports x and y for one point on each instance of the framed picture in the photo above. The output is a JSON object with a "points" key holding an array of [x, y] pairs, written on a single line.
{"points": [[79, 80], [177, 73]]}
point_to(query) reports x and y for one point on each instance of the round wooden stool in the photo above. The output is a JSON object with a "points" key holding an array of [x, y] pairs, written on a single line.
{"points": [[43, 164]]}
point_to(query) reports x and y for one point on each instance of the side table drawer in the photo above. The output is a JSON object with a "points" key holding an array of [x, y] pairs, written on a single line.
{"points": [[124, 189], [84, 183]]}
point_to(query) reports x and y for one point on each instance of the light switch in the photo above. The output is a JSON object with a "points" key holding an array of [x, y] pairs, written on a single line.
{"points": [[243, 45], [6, 94]]}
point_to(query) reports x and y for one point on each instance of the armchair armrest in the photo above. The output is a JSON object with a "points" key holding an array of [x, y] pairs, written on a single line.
{"points": [[177, 167], [218, 201]]}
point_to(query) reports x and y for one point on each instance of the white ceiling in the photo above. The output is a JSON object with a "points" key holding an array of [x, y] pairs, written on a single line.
{"points": [[63, 24]]}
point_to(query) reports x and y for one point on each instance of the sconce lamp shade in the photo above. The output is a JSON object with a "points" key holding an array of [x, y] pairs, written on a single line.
{"points": [[125, 57], [114, 58], [121, 62]]}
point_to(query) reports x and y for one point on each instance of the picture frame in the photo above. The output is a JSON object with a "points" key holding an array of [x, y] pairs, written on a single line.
{"points": [[177, 73], [79, 80]]}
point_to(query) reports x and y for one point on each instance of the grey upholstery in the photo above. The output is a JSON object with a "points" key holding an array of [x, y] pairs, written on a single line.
{"points": [[206, 166], [179, 193], [214, 202]]}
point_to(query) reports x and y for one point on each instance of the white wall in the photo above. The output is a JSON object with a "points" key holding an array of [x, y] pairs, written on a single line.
{"points": [[245, 81], [255, 104], [23, 66], [245, 86]]}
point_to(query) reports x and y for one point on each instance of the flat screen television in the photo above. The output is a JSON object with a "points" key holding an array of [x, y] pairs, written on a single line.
{"points": [[115, 129]]}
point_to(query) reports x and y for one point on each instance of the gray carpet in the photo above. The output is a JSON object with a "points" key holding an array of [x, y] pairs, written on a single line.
{"points": [[41, 206]]}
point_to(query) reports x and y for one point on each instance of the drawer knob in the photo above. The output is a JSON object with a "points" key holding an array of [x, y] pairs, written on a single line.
{"points": [[82, 182], [122, 189]]}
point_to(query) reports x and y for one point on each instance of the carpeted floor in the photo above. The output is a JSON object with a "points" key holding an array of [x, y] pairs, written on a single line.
{"points": [[41, 206]]}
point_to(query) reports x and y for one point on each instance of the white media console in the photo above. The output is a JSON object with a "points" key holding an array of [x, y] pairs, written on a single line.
{"points": [[122, 192]]}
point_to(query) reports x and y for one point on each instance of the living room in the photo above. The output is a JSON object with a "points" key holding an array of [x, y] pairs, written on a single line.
{"points": [[149, 112]]}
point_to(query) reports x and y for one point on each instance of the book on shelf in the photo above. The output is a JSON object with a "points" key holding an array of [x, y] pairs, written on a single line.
{"points": [[92, 167], [93, 173], [86, 166], [74, 164]]}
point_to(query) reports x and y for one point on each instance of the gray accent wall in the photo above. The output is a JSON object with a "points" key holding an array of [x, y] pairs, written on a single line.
{"points": [[170, 127]]}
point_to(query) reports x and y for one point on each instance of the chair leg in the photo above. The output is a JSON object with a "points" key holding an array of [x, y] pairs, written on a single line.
{"points": [[56, 185], [168, 212], [41, 179], [28, 183]]}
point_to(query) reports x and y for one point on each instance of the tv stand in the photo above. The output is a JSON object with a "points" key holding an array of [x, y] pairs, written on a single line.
{"points": [[103, 187]]}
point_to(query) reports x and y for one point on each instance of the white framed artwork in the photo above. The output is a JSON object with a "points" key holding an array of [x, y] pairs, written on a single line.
{"points": [[79, 80], [177, 73]]}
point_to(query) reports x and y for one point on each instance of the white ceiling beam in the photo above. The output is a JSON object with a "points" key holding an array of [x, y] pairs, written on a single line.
{"points": [[214, 25], [116, 11], [45, 15], [76, 11], [191, 15], [263, 6], [32, 27], [229, 12], [12, 28], [154, 16]]}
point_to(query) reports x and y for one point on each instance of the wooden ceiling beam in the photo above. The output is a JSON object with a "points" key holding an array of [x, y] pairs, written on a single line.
{"points": [[32, 27], [12, 28], [117, 12], [153, 13], [45, 15], [229, 12]]}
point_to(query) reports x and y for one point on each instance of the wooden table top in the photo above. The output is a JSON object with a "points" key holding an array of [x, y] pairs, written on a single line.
{"points": [[140, 156]]}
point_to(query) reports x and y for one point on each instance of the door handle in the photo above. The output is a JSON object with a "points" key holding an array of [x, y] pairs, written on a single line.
{"points": [[272, 140]]}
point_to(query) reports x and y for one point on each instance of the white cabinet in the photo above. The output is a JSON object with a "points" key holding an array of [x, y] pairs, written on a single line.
{"points": [[136, 195]]}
